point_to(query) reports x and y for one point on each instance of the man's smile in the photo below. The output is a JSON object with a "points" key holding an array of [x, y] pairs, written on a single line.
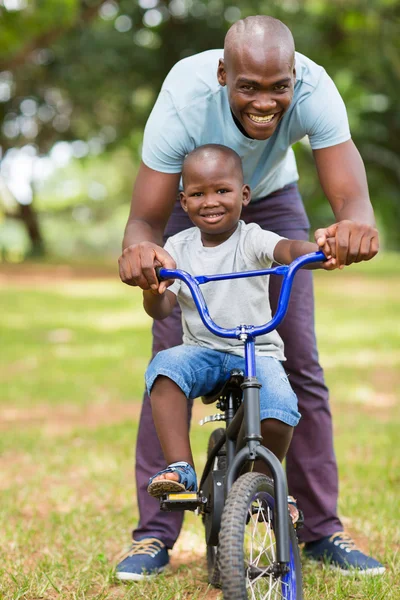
{"points": [[262, 119]]}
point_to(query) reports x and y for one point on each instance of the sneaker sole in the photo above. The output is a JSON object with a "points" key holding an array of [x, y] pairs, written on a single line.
{"points": [[354, 571], [138, 576], [350, 572]]}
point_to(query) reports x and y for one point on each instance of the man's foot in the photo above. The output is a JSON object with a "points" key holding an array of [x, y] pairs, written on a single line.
{"points": [[145, 558], [341, 553]]}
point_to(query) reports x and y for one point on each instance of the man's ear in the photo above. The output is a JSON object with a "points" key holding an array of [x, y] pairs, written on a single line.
{"points": [[246, 194], [183, 200], [221, 73]]}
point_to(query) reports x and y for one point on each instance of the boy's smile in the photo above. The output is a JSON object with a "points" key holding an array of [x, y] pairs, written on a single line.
{"points": [[214, 195]]}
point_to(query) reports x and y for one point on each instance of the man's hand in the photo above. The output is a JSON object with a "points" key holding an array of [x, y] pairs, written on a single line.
{"points": [[137, 264], [353, 242]]}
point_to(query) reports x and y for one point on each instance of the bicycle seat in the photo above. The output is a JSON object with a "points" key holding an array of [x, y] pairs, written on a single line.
{"points": [[231, 386]]}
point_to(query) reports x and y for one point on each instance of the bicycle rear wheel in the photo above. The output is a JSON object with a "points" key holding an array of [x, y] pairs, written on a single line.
{"points": [[219, 465], [247, 545]]}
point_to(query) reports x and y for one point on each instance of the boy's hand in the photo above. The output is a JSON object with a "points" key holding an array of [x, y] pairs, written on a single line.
{"points": [[328, 247]]}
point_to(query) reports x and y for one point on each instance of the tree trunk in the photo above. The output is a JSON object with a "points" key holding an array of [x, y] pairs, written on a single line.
{"points": [[30, 219]]}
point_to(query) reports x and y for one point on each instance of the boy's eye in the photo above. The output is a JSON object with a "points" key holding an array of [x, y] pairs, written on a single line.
{"points": [[197, 194], [222, 191]]}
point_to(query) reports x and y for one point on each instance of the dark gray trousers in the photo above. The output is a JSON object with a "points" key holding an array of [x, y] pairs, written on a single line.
{"points": [[310, 463]]}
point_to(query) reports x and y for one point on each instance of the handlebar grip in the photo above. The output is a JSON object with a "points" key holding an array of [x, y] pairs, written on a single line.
{"points": [[159, 277]]}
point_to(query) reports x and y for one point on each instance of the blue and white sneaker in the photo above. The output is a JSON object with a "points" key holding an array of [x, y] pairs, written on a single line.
{"points": [[144, 559], [340, 552]]}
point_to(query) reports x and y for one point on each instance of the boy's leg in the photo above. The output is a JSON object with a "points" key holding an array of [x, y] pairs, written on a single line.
{"points": [[311, 464], [170, 415]]}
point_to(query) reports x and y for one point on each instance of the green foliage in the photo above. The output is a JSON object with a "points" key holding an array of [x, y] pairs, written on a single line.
{"points": [[97, 67]]}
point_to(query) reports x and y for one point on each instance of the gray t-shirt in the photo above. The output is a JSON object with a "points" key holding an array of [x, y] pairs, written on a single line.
{"points": [[193, 109], [231, 302]]}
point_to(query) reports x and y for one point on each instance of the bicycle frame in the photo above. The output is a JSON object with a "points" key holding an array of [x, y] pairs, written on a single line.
{"points": [[249, 412]]}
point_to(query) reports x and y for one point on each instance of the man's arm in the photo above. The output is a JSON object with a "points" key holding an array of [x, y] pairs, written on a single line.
{"points": [[153, 199], [343, 180]]}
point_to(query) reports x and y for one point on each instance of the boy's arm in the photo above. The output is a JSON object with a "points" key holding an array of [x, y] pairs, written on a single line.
{"points": [[286, 251], [158, 306]]}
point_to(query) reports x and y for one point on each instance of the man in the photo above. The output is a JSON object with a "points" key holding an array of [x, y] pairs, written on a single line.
{"points": [[259, 99]]}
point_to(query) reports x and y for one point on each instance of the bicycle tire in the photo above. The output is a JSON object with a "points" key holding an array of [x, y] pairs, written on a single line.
{"points": [[254, 492], [220, 464]]}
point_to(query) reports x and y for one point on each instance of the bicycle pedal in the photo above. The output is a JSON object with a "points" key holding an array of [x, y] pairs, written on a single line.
{"points": [[181, 501]]}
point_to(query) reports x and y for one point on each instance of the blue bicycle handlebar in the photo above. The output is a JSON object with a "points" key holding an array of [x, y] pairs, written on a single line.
{"points": [[287, 271]]}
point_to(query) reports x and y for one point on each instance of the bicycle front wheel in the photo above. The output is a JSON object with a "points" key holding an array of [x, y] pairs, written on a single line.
{"points": [[247, 545]]}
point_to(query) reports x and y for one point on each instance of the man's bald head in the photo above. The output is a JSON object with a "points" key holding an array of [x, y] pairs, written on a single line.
{"points": [[260, 32]]}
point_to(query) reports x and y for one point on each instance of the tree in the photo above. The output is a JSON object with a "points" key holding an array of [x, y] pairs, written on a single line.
{"points": [[89, 71]]}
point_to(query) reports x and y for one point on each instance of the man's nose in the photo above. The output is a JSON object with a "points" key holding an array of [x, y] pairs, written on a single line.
{"points": [[264, 103]]}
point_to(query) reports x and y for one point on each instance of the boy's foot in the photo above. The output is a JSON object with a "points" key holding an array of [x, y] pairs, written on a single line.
{"points": [[145, 558], [341, 553], [177, 477]]}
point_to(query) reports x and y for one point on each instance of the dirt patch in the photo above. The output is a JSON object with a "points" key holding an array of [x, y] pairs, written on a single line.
{"points": [[42, 274], [56, 420]]}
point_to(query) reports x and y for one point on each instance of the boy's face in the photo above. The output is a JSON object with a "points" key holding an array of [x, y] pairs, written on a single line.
{"points": [[213, 197]]}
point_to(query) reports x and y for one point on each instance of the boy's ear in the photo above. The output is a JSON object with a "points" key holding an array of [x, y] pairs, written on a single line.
{"points": [[246, 194], [183, 200]]}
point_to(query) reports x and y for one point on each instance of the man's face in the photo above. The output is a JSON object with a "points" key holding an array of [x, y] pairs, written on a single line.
{"points": [[260, 88], [213, 197]]}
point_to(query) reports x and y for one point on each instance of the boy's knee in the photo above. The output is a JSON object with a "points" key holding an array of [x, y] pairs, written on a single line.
{"points": [[274, 427]]}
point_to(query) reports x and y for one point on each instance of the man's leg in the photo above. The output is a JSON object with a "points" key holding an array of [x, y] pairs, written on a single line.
{"points": [[311, 464], [149, 457]]}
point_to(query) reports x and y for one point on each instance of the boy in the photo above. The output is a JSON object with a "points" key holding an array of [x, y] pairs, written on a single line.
{"points": [[213, 195]]}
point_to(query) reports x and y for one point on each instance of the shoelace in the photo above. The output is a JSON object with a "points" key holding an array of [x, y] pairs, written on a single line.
{"points": [[343, 540], [150, 546]]}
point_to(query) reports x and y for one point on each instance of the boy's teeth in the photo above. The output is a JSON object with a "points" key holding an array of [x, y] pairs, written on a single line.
{"points": [[258, 119]]}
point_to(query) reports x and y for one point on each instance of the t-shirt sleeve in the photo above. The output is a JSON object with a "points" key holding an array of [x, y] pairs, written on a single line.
{"points": [[166, 141], [324, 115], [176, 286], [260, 245]]}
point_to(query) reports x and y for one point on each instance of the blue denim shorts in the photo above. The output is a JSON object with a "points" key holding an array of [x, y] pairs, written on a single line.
{"points": [[198, 371]]}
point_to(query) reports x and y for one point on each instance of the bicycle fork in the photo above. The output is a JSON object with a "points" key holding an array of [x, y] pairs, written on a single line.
{"points": [[254, 449]]}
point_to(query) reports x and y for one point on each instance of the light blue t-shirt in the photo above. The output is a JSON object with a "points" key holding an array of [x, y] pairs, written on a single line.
{"points": [[192, 109]]}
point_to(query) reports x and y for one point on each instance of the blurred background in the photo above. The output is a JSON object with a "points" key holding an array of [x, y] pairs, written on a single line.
{"points": [[78, 79]]}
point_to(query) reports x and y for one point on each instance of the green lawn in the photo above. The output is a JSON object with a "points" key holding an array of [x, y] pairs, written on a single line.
{"points": [[73, 353]]}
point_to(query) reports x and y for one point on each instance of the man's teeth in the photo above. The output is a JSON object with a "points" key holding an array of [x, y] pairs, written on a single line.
{"points": [[258, 119]]}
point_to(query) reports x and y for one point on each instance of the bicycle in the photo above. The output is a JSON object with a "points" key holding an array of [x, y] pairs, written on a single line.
{"points": [[242, 509]]}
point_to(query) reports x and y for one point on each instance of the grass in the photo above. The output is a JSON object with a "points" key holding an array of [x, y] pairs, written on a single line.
{"points": [[74, 349]]}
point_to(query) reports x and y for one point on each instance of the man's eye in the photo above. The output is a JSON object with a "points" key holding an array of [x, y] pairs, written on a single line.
{"points": [[247, 88], [281, 87]]}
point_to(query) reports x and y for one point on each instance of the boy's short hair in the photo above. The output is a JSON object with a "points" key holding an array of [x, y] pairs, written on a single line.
{"points": [[209, 150]]}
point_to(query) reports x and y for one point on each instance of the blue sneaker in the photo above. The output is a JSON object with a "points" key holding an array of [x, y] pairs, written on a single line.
{"points": [[341, 553], [145, 558]]}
